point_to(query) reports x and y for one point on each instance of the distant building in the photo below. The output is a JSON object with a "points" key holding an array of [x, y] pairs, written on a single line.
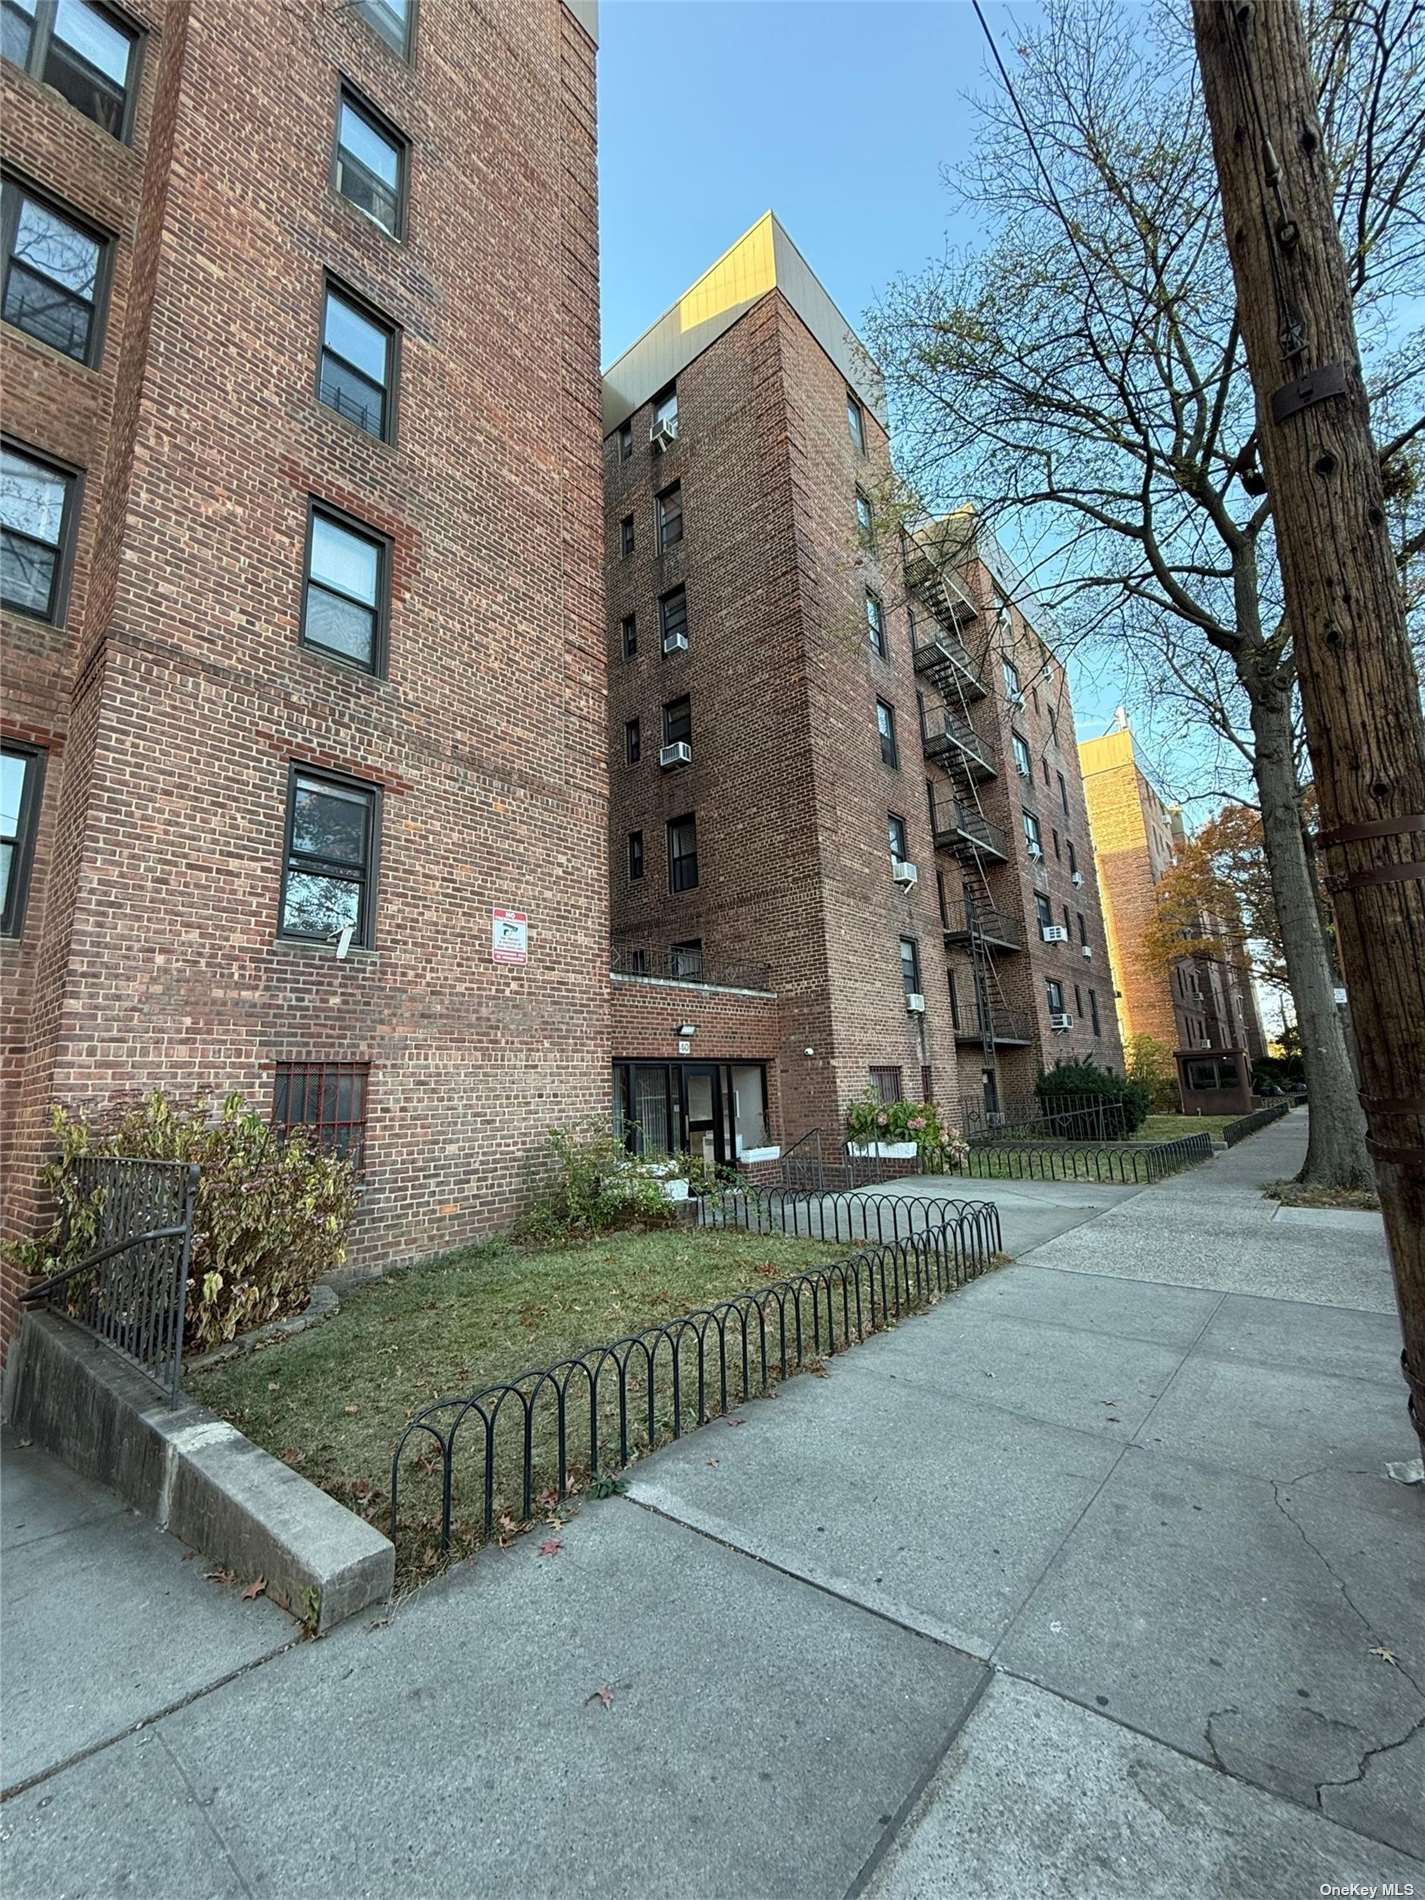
{"points": [[1203, 1008], [812, 737]]}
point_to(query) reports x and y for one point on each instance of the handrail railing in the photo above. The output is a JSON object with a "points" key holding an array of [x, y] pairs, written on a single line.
{"points": [[955, 827], [803, 1164], [587, 1416], [996, 927], [668, 963], [940, 729], [131, 1291]]}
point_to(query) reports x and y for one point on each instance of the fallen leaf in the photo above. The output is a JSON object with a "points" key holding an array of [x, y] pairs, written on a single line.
{"points": [[734, 1421], [219, 1576], [351, 1411], [1386, 1655], [713, 1461], [818, 1370], [1108, 1401], [551, 1547], [604, 1695], [257, 1588]]}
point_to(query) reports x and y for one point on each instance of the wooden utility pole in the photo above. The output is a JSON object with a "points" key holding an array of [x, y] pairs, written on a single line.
{"points": [[1359, 692]]}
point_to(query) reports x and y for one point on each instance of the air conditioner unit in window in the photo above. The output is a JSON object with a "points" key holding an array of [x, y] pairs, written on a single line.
{"points": [[1061, 1022], [1077, 879], [915, 1002], [1036, 852], [1088, 952], [665, 433], [679, 754], [1017, 700], [904, 872], [675, 643], [1053, 933], [1024, 771]]}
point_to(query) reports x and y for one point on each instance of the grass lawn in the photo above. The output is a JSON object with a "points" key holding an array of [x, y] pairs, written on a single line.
{"points": [[332, 1400], [1174, 1127]]}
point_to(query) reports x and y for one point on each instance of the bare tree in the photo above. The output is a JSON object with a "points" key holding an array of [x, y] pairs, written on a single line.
{"points": [[1083, 374]]}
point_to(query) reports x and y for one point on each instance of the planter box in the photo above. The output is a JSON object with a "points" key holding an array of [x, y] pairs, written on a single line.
{"points": [[675, 1190], [750, 1156], [882, 1150]]}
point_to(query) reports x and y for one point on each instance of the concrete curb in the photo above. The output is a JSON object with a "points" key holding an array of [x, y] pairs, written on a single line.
{"points": [[195, 1475]]}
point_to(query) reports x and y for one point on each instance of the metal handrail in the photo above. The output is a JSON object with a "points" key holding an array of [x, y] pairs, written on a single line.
{"points": [[997, 927], [662, 963]]}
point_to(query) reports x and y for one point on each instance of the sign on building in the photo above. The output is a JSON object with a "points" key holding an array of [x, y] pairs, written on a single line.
{"points": [[509, 935]]}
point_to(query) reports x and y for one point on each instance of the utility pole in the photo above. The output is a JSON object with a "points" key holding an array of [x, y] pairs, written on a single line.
{"points": [[1359, 692]]}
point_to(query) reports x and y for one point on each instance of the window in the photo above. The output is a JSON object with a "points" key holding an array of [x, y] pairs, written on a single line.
{"points": [[1073, 857], [1023, 764], [1213, 1075], [896, 837], [35, 509], [685, 959], [1068, 927], [885, 1083], [356, 371], [391, 19], [1045, 764], [625, 441], [875, 623], [632, 743], [22, 770], [865, 521], [344, 606], [1033, 837], [1083, 927], [83, 51], [630, 635], [625, 536], [1055, 836], [886, 727], [55, 270], [1093, 1011], [1078, 1001], [910, 966], [668, 516], [1054, 996], [954, 999], [673, 619], [677, 720], [856, 423], [927, 1083], [943, 900], [1063, 792], [665, 411], [683, 854], [370, 163], [329, 1100], [1011, 680], [635, 854], [329, 878], [1043, 910]]}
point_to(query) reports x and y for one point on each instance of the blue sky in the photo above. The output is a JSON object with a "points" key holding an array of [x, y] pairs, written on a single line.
{"points": [[839, 115]]}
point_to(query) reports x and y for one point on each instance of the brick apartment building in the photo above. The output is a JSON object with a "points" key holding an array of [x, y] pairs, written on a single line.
{"points": [[302, 602], [1203, 1008], [787, 905]]}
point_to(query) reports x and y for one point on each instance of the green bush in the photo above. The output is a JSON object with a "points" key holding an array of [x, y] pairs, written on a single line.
{"points": [[586, 1183], [871, 1120], [1124, 1103], [1150, 1063], [272, 1213]]}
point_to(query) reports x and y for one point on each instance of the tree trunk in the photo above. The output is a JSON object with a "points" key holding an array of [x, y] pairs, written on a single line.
{"points": [[1336, 1142], [1359, 691]]}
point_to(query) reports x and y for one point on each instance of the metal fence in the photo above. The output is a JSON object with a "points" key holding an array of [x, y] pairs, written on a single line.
{"points": [[518, 1441], [1067, 1117], [683, 963], [130, 1289], [1249, 1124], [1121, 1163], [851, 1216]]}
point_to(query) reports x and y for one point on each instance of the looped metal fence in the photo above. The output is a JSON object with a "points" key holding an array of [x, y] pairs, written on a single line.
{"points": [[131, 1288], [849, 1216], [1124, 1165], [1249, 1124], [589, 1415]]}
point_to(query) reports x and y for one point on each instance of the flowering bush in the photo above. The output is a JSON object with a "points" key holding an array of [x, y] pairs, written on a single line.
{"points": [[588, 1183], [871, 1119], [271, 1215]]}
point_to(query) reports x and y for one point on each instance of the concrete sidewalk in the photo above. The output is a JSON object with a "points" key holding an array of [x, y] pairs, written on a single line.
{"points": [[1086, 1583]]}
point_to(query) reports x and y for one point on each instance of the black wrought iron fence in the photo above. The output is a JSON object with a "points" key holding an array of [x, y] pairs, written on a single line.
{"points": [[850, 1216], [681, 963], [1124, 1164], [130, 1288], [1066, 1117], [1249, 1124], [519, 1442]]}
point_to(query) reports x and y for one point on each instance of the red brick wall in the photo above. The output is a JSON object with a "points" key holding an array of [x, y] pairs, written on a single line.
{"points": [[150, 943], [786, 782]]}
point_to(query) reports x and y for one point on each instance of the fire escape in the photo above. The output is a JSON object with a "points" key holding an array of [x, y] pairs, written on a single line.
{"points": [[958, 822]]}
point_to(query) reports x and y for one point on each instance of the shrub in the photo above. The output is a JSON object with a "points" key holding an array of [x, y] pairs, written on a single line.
{"points": [[1124, 1103], [1149, 1063], [271, 1217], [870, 1120], [586, 1183]]}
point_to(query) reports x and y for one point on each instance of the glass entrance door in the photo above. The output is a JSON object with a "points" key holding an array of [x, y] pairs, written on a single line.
{"points": [[702, 1113]]}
